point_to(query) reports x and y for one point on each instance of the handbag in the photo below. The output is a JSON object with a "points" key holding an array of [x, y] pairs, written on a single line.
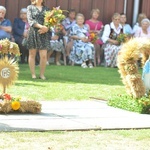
{"points": [[24, 42]]}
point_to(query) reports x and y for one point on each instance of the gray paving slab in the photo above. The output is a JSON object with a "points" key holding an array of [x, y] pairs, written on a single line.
{"points": [[74, 115]]}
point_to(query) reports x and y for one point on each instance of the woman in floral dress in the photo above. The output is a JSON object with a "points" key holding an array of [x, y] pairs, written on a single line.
{"points": [[56, 43], [38, 37], [83, 51], [68, 23], [112, 46]]}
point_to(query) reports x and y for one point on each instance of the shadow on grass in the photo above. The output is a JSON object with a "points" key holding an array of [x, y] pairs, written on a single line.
{"points": [[74, 74], [26, 84]]}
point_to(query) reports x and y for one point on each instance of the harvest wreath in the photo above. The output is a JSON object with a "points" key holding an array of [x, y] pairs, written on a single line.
{"points": [[10, 104], [9, 51], [130, 53]]}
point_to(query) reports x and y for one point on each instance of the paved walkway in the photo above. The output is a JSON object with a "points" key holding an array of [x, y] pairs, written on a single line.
{"points": [[74, 115]]}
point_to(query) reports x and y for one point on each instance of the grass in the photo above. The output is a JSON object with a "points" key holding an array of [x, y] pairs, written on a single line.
{"points": [[89, 140], [76, 83], [68, 83], [72, 83]]}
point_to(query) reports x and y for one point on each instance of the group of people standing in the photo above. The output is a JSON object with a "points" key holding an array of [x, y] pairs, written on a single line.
{"points": [[30, 34]]}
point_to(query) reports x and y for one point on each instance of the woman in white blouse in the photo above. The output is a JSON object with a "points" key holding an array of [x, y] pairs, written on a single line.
{"points": [[143, 31], [112, 46]]}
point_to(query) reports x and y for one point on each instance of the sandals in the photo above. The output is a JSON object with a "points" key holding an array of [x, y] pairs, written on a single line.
{"points": [[43, 78], [84, 65], [58, 63], [33, 76], [90, 65]]}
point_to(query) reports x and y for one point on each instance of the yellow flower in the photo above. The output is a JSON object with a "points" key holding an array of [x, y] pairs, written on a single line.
{"points": [[60, 11], [15, 105], [54, 20], [51, 20]]}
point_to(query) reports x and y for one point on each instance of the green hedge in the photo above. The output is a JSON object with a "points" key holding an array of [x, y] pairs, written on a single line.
{"points": [[141, 105]]}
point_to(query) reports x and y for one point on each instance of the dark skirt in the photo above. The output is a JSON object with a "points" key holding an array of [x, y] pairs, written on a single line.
{"points": [[38, 41]]}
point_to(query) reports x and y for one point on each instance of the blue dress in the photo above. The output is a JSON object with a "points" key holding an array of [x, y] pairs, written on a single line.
{"points": [[146, 75], [67, 23], [81, 51]]}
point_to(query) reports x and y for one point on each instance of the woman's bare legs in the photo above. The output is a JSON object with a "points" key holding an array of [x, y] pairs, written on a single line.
{"points": [[98, 53], [49, 53], [69, 46], [58, 54], [43, 59], [32, 54]]}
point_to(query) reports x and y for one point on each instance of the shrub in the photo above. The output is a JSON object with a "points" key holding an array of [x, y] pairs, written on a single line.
{"points": [[141, 105]]}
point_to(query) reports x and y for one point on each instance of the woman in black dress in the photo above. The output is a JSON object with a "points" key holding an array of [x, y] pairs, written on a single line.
{"points": [[38, 36]]}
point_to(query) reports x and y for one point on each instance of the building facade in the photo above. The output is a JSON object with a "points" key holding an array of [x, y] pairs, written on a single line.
{"points": [[107, 7]]}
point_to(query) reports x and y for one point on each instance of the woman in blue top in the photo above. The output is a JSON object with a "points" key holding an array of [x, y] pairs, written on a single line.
{"points": [[20, 32], [5, 25]]}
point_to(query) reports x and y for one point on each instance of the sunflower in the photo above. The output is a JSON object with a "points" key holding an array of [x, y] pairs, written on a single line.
{"points": [[8, 72], [15, 105]]}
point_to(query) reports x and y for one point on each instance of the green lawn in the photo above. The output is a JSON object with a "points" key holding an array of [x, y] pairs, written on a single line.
{"points": [[89, 140], [68, 83], [72, 83]]}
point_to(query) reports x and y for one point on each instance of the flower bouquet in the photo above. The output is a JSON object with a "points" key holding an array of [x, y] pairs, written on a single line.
{"points": [[58, 29], [14, 104], [92, 36], [53, 17], [122, 38]]}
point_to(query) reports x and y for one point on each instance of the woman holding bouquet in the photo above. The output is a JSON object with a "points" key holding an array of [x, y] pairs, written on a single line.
{"points": [[112, 45], [83, 51], [38, 37], [95, 26]]}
